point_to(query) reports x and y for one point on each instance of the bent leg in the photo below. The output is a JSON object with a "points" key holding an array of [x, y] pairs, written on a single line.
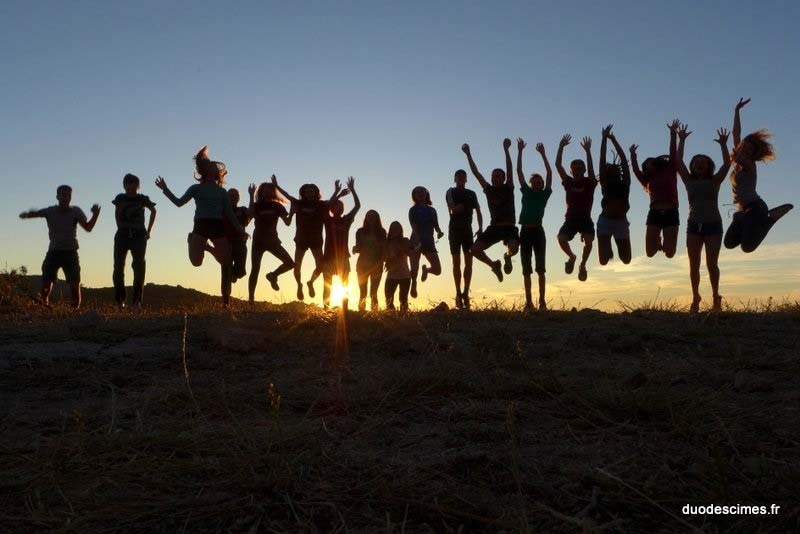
{"points": [[435, 264], [670, 245], [604, 251], [624, 250], [652, 240]]}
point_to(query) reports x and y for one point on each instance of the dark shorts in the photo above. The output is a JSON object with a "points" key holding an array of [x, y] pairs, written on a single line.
{"points": [[306, 242], [532, 242], [704, 229], [66, 260], [571, 227], [461, 240], [494, 234], [209, 228], [663, 218]]}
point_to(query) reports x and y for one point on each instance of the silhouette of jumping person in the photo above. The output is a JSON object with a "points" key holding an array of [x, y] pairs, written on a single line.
{"points": [[461, 203], [424, 222], [237, 241], [615, 185]]}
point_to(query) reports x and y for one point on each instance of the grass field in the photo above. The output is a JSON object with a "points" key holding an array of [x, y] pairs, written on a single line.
{"points": [[291, 419]]}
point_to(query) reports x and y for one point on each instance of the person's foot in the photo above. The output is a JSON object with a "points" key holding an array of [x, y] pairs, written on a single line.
{"points": [[413, 291], [390, 306], [300, 295], [404, 308], [542, 305], [362, 305], [121, 305], [459, 302], [374, 305], [424, 273], [569, 265], [311, 292], [497, 269], [226, 301], [717, 303], [272, 278], [583, 274], [189, 238], [507, 265], [137, 307], [528, 306], [695, 306], [779, 211], [465, 300]]}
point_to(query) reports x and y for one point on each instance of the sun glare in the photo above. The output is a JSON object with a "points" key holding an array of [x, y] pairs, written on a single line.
{"points": [[339, 292]]}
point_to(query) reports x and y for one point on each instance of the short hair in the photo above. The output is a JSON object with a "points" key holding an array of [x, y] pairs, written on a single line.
{"points": [[427, 200], [130, 178], [460, 172], [61, 188]]}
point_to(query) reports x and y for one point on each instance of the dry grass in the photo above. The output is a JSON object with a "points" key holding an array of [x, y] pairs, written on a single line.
{"points": [[490, 421]]}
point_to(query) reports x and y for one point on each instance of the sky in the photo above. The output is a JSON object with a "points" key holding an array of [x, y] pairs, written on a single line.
{"points": [[387, 93]]}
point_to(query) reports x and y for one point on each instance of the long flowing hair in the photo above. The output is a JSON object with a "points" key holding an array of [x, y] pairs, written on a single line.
{"points": [[205, 169]]}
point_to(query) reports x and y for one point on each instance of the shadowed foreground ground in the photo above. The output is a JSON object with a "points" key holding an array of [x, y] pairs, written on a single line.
{"points": [[489, 421]]}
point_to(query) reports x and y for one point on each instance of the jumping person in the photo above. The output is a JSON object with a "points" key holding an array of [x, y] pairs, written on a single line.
{"points": [[238, 242], [212, 206], [62, 222], [336, 257], [461, 202], [704, 227], [310, 211], [424, 221], [753, 221], [659, 177], [370, 245], [398, 275], [266, 209], [579, 189], [503, 222], [131, 236], [532, 239], [615, 185]]}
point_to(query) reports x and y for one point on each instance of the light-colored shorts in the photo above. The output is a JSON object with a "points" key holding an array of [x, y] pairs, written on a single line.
{"points": [[618, 228]]}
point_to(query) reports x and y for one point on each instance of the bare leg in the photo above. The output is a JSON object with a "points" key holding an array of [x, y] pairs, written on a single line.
{"points": [[604, 251], [75, 294], [375, 283], [652, 240], [435, 267], [197, 249], [222, 253], [457, 273], [318, 269], [528, 298], [298, 265], [694, 248], [588, 239], [542, 303], [256, 255], [670, 244], [467, 272], [624, 250], [47, 288], [563, 242], [713, 244]]}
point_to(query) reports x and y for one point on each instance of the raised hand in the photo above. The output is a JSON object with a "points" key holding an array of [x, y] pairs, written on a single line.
{"points": [[683, 132], [251, 189], [607, 130], [506, 143], [722, 136], [674, 125], [586, 143], [565, 140], [351, 183], [540, 148], [161, 183], [742, 103], [274, 180], [337, 186], [521, 144], [95, 209], [465, 148], [633, 149]]}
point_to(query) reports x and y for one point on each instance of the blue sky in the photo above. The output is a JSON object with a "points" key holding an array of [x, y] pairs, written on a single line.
{"points": [[386, 92]]}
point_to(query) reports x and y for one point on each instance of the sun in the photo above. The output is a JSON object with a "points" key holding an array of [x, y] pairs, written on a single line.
{"points": [[339, 292]]}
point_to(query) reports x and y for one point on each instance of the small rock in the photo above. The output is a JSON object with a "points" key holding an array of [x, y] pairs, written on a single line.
{"points": [[441, 307], [747, 382]]}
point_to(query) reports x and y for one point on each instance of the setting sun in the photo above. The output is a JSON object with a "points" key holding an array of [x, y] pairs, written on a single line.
{"points": [[339, 292]]}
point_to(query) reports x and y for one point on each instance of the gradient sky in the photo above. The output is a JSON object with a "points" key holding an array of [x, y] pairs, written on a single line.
{"points": [[387, 92]]}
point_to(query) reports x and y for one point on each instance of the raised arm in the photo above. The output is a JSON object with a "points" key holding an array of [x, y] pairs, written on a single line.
{"points": [[337, 191], [187, 196], [683, 133], [351, 185], [623, 159], [673, 141], [587, 147], [548, 180], [281, 190], [722, 139], [89, 225], [520, 174], [560, 156], [737, 122], [509, 167], [603, 146], [635, 166], [251, 206], [32, 214], [474, 168]]}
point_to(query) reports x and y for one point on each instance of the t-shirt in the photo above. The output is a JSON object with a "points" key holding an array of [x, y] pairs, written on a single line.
{"points": [[210, 200], [533, 204], [501, 203], [240, 212], [265, 219], [703, 200], [466, 198], [370, 246], [424, 218], [397, 258], [580, 197], [62, 224], [616, 198], [337, 233], [131, 210], [310, 217], [743, 183]]}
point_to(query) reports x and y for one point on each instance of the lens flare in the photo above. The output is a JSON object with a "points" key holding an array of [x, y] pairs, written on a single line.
{"points": [[339, 292]]}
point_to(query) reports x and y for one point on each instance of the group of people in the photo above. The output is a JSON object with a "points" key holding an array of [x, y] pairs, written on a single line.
{"points": [[323, 227]]}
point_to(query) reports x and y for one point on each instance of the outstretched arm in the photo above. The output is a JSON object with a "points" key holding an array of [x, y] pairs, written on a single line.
{"points": [[351, 185], [474, 168], [282, 191], [509, 168], [32, 214], [635, 166], [587, 147], [548, 183], [722, 139], [623, 160], [89, 225], [187, 196], [560, 155], [737, 122], [520, 175], [683, 133]]}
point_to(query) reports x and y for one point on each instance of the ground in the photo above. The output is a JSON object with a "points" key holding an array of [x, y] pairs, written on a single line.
{"points": [[276, 421]]}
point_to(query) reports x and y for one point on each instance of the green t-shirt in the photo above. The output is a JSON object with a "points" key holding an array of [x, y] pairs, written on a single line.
{"points": [[210, 201], [131, 210], [533, 204]]}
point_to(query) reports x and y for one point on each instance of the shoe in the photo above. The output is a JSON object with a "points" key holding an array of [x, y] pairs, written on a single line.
{"points": [[273, 281], [569, 266], [465, 300], [311, 292], [717, 303], [424, 273], [507, 265], [695, 306], [497, 269], [459, 302], [413, 291], [582, 273]]}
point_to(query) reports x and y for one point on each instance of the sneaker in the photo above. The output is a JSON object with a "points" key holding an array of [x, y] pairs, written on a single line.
{"points": [[424, 273], [273, 281], [507, 265], [582, 273], [311, 292], [413, 291], [569, 265], [497, 269], [465, 300]]}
